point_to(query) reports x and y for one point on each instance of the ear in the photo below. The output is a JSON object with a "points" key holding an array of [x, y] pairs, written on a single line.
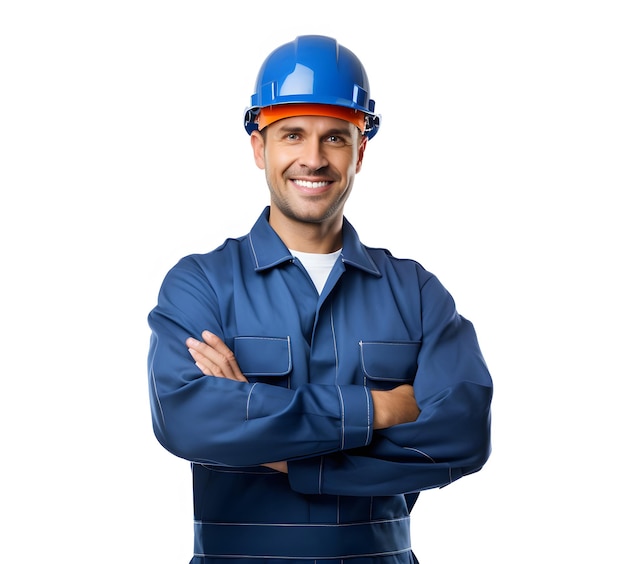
{"points": [[361, 152], [258, 149]]}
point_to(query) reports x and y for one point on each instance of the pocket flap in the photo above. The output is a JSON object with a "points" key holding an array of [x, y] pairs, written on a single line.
{"points": [[263, 356], [390, 361]]}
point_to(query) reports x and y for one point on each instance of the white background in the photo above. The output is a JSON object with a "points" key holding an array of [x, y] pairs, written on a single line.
{"points": [[500, 166]]}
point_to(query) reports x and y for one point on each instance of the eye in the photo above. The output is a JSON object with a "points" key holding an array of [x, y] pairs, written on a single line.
{"points": [[335, 140]]}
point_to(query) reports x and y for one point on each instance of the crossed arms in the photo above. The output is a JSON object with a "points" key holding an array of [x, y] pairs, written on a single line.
{"points": [[214, 358]]}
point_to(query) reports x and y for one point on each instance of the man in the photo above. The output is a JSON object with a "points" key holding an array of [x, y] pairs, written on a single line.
{"points": [[315, 384]]}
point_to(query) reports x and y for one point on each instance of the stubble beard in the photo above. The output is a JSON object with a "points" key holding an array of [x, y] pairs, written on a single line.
{"points": [[309, 216]]}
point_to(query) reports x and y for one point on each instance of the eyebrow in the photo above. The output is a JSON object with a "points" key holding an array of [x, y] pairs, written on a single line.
{"points": [[334, 131]]}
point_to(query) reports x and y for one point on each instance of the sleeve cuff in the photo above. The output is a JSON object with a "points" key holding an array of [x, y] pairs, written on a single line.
{"points": [[357, 416]]}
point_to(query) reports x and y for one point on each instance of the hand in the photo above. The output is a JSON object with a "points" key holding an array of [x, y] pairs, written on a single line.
{"points": [[214, 358], [394, 407], [278, 466]]}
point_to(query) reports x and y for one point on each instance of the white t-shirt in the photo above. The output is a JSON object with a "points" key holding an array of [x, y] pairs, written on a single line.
{"points": [[317, 265]]}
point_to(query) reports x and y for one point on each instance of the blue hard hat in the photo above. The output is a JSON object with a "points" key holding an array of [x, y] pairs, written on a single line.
{"points": [[313, 69]]}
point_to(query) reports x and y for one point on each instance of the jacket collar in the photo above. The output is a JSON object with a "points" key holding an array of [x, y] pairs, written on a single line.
{"points": [[269, 251]]}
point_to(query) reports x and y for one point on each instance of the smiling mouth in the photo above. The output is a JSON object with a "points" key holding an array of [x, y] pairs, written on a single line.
{"points": [[310, 185]]}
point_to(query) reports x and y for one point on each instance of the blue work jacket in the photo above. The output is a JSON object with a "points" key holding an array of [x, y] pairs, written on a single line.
{"points": [[311, 362]]}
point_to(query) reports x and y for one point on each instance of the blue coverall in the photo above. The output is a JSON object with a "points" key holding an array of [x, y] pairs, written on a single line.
{"points": [[311, 361]]}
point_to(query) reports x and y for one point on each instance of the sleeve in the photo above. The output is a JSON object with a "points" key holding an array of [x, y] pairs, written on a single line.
{"points": [[451, 437], [219, 421]]}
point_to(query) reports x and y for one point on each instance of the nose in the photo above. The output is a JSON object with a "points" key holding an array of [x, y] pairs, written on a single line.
{"points": [[313, 155]]}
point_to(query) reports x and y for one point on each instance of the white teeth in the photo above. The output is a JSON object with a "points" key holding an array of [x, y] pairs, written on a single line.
{"points": [[307, 184]]}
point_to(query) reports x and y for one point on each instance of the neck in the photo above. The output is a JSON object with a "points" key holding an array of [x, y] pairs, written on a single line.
{"points": [[322, 238]]}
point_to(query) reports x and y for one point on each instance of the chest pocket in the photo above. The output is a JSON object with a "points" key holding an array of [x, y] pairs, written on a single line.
{"points": [[387, 364], [264, 359]]}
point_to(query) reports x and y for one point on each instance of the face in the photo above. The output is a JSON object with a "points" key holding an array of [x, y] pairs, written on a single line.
{"points": [[310, 163]]}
